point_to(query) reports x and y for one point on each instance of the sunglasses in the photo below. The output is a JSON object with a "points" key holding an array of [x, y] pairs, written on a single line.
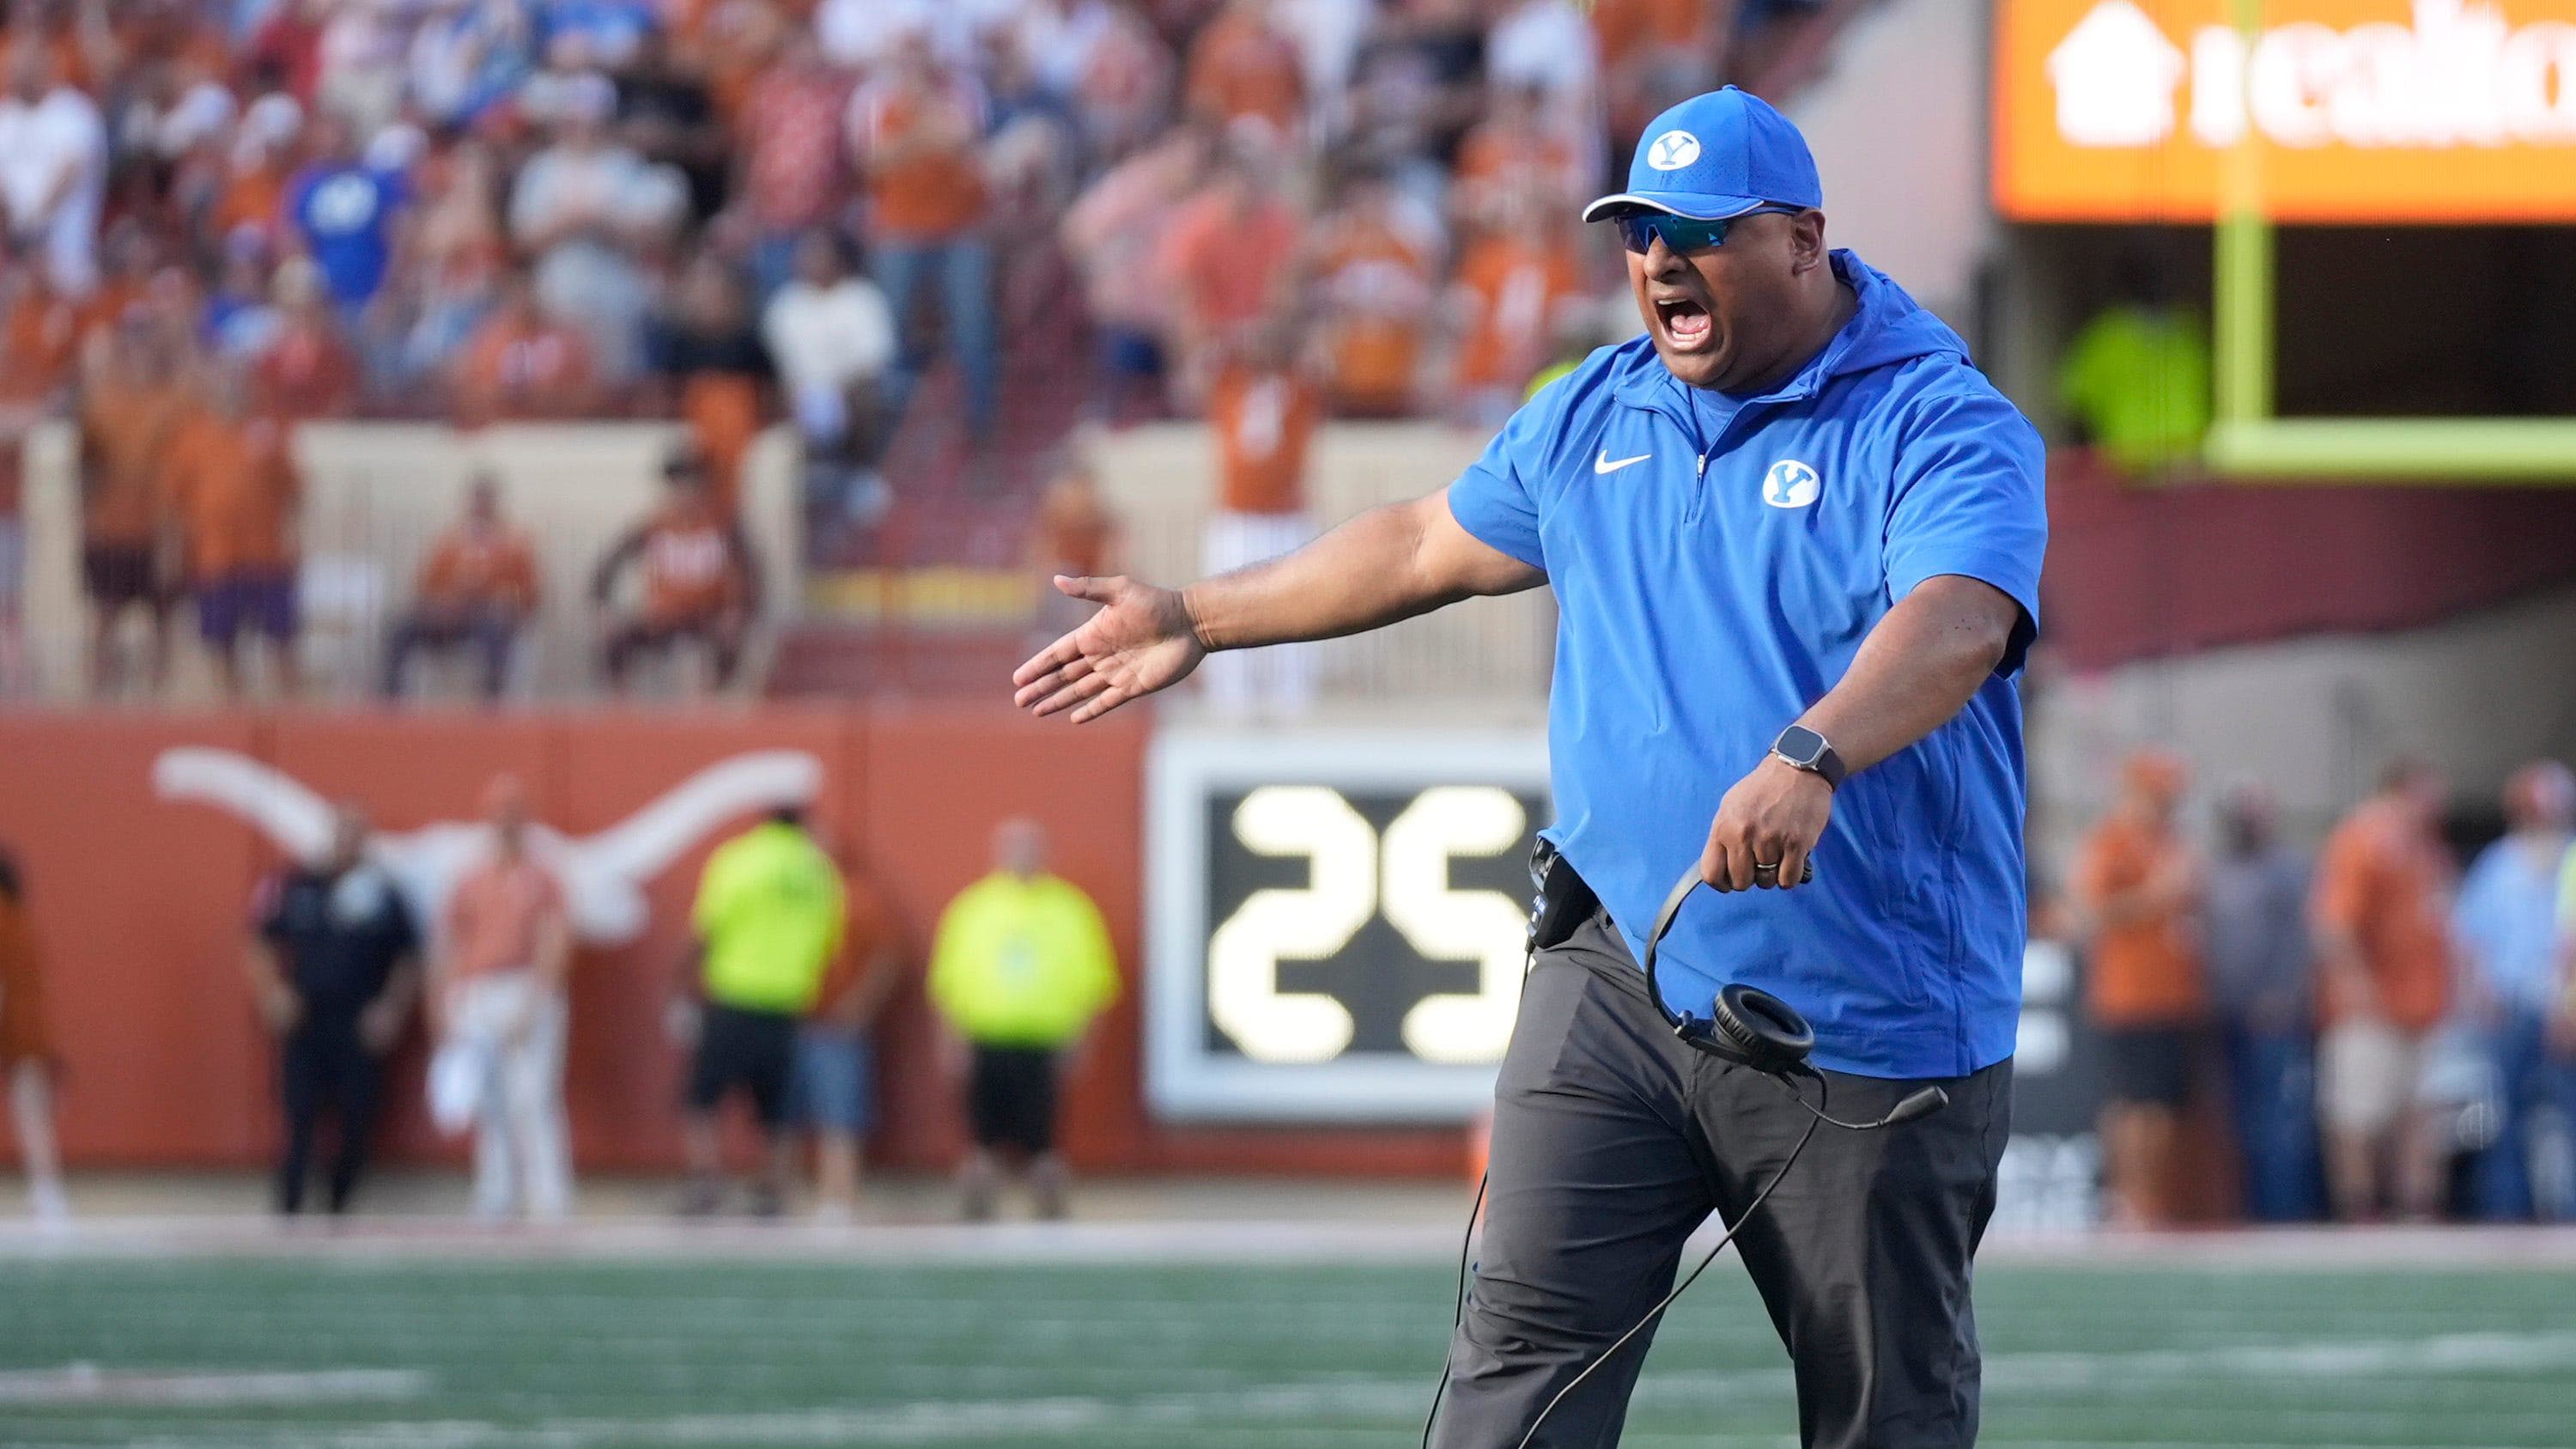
{"points": [[1638, 230]]}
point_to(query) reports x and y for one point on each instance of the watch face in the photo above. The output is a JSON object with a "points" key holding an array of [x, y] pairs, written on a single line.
{"points": [[1800, 746]]}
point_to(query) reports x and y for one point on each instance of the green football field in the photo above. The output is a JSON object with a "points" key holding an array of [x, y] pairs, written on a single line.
{"points": [[270, 1353]]}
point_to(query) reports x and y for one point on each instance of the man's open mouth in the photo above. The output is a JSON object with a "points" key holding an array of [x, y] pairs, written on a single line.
{"points": [[1686, 323]]}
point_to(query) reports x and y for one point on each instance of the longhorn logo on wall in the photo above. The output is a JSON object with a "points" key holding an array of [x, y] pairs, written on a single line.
{"points": [[603, 874]]}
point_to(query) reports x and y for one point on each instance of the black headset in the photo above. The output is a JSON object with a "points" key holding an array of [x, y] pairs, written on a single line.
{"points": [[1747, 1027], [1753, 1028]]}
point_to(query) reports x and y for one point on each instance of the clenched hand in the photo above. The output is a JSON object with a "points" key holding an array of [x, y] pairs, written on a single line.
{"points": [[1772, 817]]}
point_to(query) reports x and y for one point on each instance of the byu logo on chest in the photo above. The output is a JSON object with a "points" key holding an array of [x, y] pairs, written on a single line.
{"points": [[1791, 484], [1672, 150]]}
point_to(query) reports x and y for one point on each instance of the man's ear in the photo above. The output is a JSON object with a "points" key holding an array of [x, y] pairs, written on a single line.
{"points": [[1807, 241]]}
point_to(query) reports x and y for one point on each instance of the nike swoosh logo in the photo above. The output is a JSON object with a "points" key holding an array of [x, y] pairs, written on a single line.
{"points": [[1607, 464]]}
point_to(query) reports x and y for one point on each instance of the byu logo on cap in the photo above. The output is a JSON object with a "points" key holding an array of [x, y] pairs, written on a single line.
{"points": [[1672, 151], [1790, 484]]}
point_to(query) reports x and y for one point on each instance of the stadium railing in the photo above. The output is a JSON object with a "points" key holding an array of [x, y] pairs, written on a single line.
{"points": [[376, 496]]}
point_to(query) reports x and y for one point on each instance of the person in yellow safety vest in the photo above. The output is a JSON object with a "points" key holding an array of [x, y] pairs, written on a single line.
{"points": [[1021, 967], [769, 919], [2135, 382]]}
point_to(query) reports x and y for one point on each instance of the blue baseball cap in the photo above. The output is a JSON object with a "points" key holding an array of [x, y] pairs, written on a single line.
{"points": [[1716, 156]]}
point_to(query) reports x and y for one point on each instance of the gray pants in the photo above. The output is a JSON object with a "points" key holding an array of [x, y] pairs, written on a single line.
{"points": [[1612, 1141]]}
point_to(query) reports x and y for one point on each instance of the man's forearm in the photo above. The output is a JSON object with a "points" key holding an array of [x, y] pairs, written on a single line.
{"points": [[1922, 663], [1352, 579], [1380, 567]]}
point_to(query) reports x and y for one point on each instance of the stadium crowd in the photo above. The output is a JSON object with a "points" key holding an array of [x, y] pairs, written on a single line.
{"points": [[225, 217], [2389, 1037]]}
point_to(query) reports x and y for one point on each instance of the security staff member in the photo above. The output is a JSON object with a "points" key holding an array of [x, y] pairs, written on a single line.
{"points": [[1795, 540], [334, 970], [768, 920], [1021, 966]]}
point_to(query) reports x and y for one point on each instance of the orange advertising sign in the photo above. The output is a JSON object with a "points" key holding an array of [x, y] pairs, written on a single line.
{"points": [[2336, 111]]}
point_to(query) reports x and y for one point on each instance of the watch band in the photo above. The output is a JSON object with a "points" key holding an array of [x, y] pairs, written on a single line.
{"points": [[1801, 748]]}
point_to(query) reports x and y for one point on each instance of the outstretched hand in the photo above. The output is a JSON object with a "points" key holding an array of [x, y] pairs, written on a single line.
{"points": [[1139, 642]]}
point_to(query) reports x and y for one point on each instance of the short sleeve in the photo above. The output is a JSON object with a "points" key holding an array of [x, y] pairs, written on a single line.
{"points": [[2343, 884], [707, 912], [1971, 500], [1493, 500]]}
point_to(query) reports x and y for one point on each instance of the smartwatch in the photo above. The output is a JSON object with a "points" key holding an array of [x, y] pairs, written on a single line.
{"points": [[1801, 748]]}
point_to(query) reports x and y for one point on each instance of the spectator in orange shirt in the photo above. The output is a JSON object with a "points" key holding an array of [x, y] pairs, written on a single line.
{"points": [[1075, 535], [834, 1091], [307, 370], [497, 1005], [131, 405], [1372, 288], [1242, 68], [523, 364], [2380, 913], [917, 130], [701, 580], [27, 1050], [1514, 149], [233, 480], [2138, 885], [1653, 54], [1263, 410], [1511, 286], [1229, 259], [40, 336], [477, 589]]}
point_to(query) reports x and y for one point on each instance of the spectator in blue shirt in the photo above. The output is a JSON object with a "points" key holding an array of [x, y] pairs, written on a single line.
{"points": [[344, 213], [2512, 950]]}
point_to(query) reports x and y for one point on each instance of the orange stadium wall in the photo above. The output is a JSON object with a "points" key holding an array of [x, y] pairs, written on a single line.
{"points": [[140, 902]]}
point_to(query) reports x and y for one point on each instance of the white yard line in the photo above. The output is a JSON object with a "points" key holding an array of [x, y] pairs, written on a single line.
{"points": [[1180, 1243], [82, 1383]]}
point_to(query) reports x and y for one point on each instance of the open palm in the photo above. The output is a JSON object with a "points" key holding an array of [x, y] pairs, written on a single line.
{"points": [[1139, 642]]}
